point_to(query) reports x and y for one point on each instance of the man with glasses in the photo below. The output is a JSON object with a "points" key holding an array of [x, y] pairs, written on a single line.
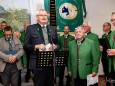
{"points": [[83, 58], [36, 38]]}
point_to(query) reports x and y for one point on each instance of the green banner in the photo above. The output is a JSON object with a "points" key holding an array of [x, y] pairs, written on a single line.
{"points": [[69, 12]]}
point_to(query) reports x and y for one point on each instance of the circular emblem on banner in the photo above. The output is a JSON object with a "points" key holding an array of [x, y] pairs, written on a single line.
{"points": [[68, 11]]}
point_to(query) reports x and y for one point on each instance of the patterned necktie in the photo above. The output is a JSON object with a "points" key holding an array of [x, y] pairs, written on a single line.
{"points": [[10, 44], [45, 35]]}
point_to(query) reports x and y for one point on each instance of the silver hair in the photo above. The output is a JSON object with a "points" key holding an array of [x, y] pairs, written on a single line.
{"points": [[79, 27], [37, 13], [88, 23], [17, 32]]}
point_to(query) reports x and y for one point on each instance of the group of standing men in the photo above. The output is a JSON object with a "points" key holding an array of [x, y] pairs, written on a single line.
{"points": [[83, 59]]}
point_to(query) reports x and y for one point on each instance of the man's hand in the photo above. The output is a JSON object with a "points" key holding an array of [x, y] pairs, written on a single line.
{"points": [[101, 48], [94, 74], [41, 47], [111, 52], [52, 47], [12, 59]]}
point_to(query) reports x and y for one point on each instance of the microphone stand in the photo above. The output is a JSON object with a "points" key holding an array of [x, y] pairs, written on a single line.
{"points": [[54, 61]]}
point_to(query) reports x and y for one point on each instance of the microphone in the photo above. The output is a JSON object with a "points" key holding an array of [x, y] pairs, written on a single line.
{"points": [[54, 56]]}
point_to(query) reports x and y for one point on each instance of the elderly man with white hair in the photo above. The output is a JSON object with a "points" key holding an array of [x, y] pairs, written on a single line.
{"points": [[83, 58], [92, 36]]}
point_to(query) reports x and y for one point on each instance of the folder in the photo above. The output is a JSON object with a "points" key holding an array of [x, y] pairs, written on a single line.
{"points": [[105, 44]]}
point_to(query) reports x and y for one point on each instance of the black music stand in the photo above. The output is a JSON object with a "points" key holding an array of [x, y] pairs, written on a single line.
{"points": [[45, 58]]}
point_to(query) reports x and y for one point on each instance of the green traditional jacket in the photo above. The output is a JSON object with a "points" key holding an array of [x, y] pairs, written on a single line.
{"points": [[95, 38], [108, 36], [24, 59], [85, 60], [62, 43], [1, 34], [112, 44]]}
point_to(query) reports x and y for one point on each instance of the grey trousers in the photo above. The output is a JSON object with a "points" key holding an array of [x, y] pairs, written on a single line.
{"points": [[10, 75]]}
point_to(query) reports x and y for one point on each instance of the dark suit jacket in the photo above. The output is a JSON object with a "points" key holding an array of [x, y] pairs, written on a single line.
{"points": [[34, 36]]}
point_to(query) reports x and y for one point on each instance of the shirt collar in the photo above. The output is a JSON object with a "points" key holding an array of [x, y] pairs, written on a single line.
{"points": [[81, 40], [42, 25]]}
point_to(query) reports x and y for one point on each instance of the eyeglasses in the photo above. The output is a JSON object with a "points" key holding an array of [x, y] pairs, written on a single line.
{"points": [[112, 20]]}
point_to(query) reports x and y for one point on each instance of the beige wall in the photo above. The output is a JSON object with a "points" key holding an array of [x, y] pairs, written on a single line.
{"points": [[98, 12]]}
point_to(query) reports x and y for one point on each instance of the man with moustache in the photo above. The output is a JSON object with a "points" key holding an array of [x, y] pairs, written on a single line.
{"points": [[37, 36]]}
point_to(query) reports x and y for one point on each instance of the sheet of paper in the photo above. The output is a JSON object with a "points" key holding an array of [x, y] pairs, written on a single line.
{"points": [[92, 80], [48, 46]]}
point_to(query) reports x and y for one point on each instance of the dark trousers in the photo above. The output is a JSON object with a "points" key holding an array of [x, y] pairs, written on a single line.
{"points": [[61, 77], [112, 76], [105, 67], [43, 77], [28, 73], [19, 81], [27, 76], [80, 82], [106, 71], [10, 75]]}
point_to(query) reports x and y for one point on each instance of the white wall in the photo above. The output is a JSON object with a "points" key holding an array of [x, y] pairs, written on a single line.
{"points": [[98, 12]]}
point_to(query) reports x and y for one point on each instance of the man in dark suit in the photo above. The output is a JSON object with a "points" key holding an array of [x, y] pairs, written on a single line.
{"points": [[36, 38], [104, 59]]}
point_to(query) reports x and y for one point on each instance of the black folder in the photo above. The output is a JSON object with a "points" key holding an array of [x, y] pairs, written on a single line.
{"points": [[105, 44]]}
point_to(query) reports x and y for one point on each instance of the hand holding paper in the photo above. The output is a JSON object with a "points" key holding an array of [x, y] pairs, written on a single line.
{"points": [[92, 80]]}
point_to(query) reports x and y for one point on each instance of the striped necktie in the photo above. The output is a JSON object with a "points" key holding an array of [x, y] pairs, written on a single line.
{"points": [[10, 44], [45, 35]]}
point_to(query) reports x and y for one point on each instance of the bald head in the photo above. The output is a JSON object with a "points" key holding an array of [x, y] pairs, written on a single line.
{"points": [[113, 18]]}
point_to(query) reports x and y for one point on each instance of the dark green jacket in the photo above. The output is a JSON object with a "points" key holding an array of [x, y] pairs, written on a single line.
{"points": [[87, 58], [95, 38], [61, 41], [112, 44], [108, 36], [1, 34], [24, 59]]}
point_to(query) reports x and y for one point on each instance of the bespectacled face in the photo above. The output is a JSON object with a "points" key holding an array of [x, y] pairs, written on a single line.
{"points": [[106, 27], [113, 19], [79, 34], [42, 17]]}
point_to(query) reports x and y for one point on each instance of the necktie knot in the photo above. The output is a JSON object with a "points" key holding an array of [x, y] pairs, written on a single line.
{"points": [[43, 27], [78, 43]]}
